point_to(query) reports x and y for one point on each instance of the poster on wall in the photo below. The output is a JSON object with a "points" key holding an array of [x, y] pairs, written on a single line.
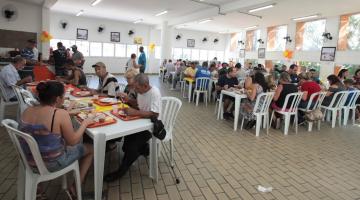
{"points": [[328, 54], [81, 34], [261, 53], [242, 53], [137, 40], [115, 36], [190, 43]]}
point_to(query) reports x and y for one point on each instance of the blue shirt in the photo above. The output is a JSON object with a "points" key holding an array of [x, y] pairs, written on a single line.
{"points": [[27, 53], [203, 72], [347, 102], [142, 60]]}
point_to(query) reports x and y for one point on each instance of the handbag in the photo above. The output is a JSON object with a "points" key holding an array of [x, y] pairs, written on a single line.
{"points": [[314, 115]]}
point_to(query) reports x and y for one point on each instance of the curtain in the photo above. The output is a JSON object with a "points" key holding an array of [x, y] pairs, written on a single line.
{"points": [[233, 42], [271, 36], [299, 36], [249, 40], [343, 33]]}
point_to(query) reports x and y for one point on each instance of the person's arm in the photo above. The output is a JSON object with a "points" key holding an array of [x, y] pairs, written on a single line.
{"points": [[277, 92], [71, 136], [251, 94], [75, 80], [136, 66], [27, 79], [143, 114]]}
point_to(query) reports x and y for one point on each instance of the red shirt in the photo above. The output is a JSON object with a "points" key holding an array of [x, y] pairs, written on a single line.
{"points": [[311, 87]]}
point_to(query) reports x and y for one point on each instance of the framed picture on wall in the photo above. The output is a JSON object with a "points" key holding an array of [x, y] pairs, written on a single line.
{"points": [[115, 36], [261, 53], [328, 54], [81, 34], [190, 43], [242, 53]]}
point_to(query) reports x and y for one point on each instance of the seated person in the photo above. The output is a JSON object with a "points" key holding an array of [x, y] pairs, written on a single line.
{"points": [[270, 82], [9, 76], [284, 88], [28, 53], [75, 75], [225, 82], [314, 75], [349, 86], [170, 67], [203, 72], [129, 95], [180, 70], [308, 87], [131, 63], [357, 79], [190, 71], [335, 86], [213, 71], [59, 144], [108, 83], [148, 100], [257, 87]]}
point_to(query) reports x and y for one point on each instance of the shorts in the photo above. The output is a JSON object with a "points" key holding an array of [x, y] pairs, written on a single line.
{"points": [[71, 154]]}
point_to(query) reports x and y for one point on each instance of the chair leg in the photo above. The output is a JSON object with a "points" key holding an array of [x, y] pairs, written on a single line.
{"points": [[197, 98], [353, 115], [78, 183], [267, 123], [64, 182], [2, 110], [30, 187], [310, 126], [258, 125], [287, 124], [340, 117], [216, 106], [319, 125], [272, 115], [21, 182], [172, 163], [206, 98], [333, 120], [242, 123], [296, 123]]}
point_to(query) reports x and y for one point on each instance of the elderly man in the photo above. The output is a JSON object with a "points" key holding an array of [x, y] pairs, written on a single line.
{"points": [[108, 83], [77, 57], [9, 76], [148, 100]]}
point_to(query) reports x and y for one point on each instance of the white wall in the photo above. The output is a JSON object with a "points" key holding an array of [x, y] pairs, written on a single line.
{"points": [[115, 65]]}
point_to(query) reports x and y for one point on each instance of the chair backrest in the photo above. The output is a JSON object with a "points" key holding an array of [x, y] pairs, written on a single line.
{"points": [[3, 93], [315, 103], [89, 78], [12, 128], [292, 99], [339, 99], [352, 98], [169, 110], [20, 98], [122, 87], [263, 102], [202, 83]]}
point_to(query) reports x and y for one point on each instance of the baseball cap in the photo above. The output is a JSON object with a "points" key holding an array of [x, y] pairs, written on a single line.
{"points": [[99, 64]]}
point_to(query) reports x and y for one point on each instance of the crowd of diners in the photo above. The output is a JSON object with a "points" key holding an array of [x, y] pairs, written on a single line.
{"points": [[282, 80], [50, 124]]}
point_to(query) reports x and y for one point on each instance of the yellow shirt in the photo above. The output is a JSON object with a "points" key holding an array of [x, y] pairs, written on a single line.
{"points": [[190, 72]]}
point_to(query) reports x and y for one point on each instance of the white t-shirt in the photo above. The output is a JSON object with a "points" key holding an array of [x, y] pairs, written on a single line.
{"points": [[150, 101]]}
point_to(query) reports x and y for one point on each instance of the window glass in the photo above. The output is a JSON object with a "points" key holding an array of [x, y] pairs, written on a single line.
{"points": [[108, 49], [354, 32], [220, 56], [195, 54], [203, 55], [312, 38], [186, 54], [120, 50], [95, 49], [157, 52], [212, 55], [83, 47], [130, 49], [177, 53]]}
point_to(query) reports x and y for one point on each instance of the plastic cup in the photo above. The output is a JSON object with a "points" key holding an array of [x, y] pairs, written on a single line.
{"points": [[115, 108]]}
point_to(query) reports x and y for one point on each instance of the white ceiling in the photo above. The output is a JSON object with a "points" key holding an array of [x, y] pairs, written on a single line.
{"points": [[38, 2], [189, 13]]}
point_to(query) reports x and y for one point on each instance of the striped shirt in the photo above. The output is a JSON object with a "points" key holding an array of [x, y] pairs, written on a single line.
{"points": [[109, 85]]}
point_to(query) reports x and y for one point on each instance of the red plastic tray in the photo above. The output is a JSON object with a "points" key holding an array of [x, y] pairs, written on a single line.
{"points": [[125, 118], [98, 102], [98, 124]]}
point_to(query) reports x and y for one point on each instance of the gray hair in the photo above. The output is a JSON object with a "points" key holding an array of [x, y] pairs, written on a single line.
{"points": [[141, 79], [18, 59], [285, 76]]}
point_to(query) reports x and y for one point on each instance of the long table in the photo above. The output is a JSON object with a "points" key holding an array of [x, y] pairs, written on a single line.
{"points": [[238, 98], [120, 129]]}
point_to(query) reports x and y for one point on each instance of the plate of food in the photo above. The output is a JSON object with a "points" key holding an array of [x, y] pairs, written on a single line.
{"points": [[76, 104], [123, 116], [100, 118], [82, 93], [108, 100]]}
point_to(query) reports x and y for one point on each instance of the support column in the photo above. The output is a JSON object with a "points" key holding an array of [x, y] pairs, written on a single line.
{"points": [[45, 26], [166, 41]]}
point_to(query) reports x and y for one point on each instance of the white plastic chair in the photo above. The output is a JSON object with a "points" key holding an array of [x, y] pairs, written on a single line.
{"points": [[170, 107], [291, 110], [21, 95], [4, 102], [261, 111], [316, 105], [26, 176], [182, 84], [122, 87], [335, 107], [201, 86], [351, 106]]}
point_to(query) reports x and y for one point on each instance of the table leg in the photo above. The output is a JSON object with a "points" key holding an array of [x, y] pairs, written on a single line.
{"points": [[189, 94], [210, 89], [153, 168], [99, 159], [219, 115], [237, 108]]}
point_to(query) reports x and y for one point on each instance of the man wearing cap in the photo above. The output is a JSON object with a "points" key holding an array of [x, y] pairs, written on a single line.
{"points": [[28, 52], [142, 60], [77, 57], [108, 83], [60, 59]]}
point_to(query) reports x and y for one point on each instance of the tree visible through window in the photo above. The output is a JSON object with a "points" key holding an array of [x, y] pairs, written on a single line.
{"points": [[312, 37], [354, 32]]}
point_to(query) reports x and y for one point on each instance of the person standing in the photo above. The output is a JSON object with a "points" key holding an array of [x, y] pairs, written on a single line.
{"points": [[131, 63], [60, 59], [142, 60], [28, 52], [77, 55]]}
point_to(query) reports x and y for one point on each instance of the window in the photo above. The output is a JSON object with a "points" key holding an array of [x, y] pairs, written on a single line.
{"points": [[177, 53], [53, 43], [108, 50], [212, 55], [349, 32], [130, 49], [157, 52], [67, 43], [220, 55], [83, 47], [255, 40], [194, 54], [203, 55], [276, 41], [309, 35], [120, 50], [186, 54], [95, 49]]}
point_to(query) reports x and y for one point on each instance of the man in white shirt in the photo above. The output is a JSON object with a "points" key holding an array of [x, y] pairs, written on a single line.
{"points": [[108, 83], [9, 76], [148, 100]]}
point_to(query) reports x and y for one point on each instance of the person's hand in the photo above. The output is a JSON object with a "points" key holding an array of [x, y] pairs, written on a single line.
{"points": [[123, 96], [226, 87], [89, 120], [27, 79], [130, 111], [73, 112]]}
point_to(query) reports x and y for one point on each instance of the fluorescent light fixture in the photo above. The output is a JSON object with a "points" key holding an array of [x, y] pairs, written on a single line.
{"points": [[222, 32], [261, 8], [161, 13], [205, 21], [250, 27], [80, 13], [306, 17], [94, 3], [138, 21]]}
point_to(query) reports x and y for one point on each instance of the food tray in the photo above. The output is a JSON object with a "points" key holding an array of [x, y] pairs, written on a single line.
{"points": [[98, 102], [98, 124], [123, 117]]}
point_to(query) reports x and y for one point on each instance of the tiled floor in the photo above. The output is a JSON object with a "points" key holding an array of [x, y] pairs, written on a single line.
{"points": [[214, 162]]}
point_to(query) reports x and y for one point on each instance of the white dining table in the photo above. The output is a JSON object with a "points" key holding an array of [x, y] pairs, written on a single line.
{"points": [[120, 129], [238, 98]]}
